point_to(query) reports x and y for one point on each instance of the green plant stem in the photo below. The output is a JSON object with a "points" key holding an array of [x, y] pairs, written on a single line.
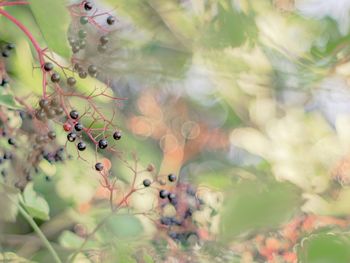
{"points": [[39, 233]]}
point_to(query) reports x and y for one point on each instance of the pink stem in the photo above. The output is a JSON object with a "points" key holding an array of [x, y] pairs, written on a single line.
{"points": [[14, 3], [34, 42]]}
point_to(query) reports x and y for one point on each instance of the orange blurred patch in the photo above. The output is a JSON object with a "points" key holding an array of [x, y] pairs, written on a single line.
{"points": [[84, 207]]}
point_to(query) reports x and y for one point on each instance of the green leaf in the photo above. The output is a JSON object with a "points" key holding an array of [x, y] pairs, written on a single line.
{"points": [[123, 226], [254, 205], [71, 241], [8, 203], [12, 257], [53, 20], [36, 205], [324, 248], [8, 101]]}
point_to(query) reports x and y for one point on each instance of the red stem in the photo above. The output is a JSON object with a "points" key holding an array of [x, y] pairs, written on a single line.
{"points": [[35, 43], [14, 3]]}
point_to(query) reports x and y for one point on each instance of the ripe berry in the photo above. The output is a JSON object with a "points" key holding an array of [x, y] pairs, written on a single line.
{"points": [[82, 33], [59, 111], [11, 141], [147, 182], [104, 40], [78, 126], [110, 20], [51, 135], [92, 69], [102, 144], [99, 167], [88, 6], [43, 104], [172, 177], [84, 20], [10, 46], [48, 66], [4, 82], [71, 81], [40, 115], [163, 194], [82, 74], [5, 53], [172, 198], [71, 136], [74, 114], [81, 146], [7, 155], [117, 135], [55, 77]]}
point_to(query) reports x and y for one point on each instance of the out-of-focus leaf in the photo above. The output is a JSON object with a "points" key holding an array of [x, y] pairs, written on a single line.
{"points": [[53, 20], [70, 240], [12, 257], [8, 201], [123, 226], [8, 101], [36, 205], [324, 248], [254, 205]]}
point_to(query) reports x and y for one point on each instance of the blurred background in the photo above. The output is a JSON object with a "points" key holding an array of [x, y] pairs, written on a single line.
{"points": [[248, 101]]}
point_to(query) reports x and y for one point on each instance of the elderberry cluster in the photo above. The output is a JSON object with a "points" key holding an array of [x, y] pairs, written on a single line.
{"points": [[182, 196]]}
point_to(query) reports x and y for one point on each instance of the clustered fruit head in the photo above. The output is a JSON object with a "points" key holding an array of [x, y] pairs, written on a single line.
{"points": [[182, 197]]}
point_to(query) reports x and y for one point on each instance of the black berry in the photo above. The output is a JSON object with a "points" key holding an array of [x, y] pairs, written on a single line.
{"points": [[88, 6], [48, 66], [43, 103], [99, 167], [11, 141], [110, 20], [163, 194], [172, 177], [82, 74], [81, 146], [92, 69], [71, 81], [74, 114], [78, 126], [10, 46], [5, 53], [147, 182], [71, 136], [117, 135], [55, 77], [102, 144]]}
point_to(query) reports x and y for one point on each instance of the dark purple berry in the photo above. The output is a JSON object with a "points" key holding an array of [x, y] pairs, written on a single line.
{"points": [[110, 20], [71, 81], [48, 66], [117, 135], [147, 182], [55, 77], [88, 6], [11, 141], [172, 177], [103, 143], [81, 146], [99, 167], [71, 136], [74, 114], [78, 126], [163, 194]]}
